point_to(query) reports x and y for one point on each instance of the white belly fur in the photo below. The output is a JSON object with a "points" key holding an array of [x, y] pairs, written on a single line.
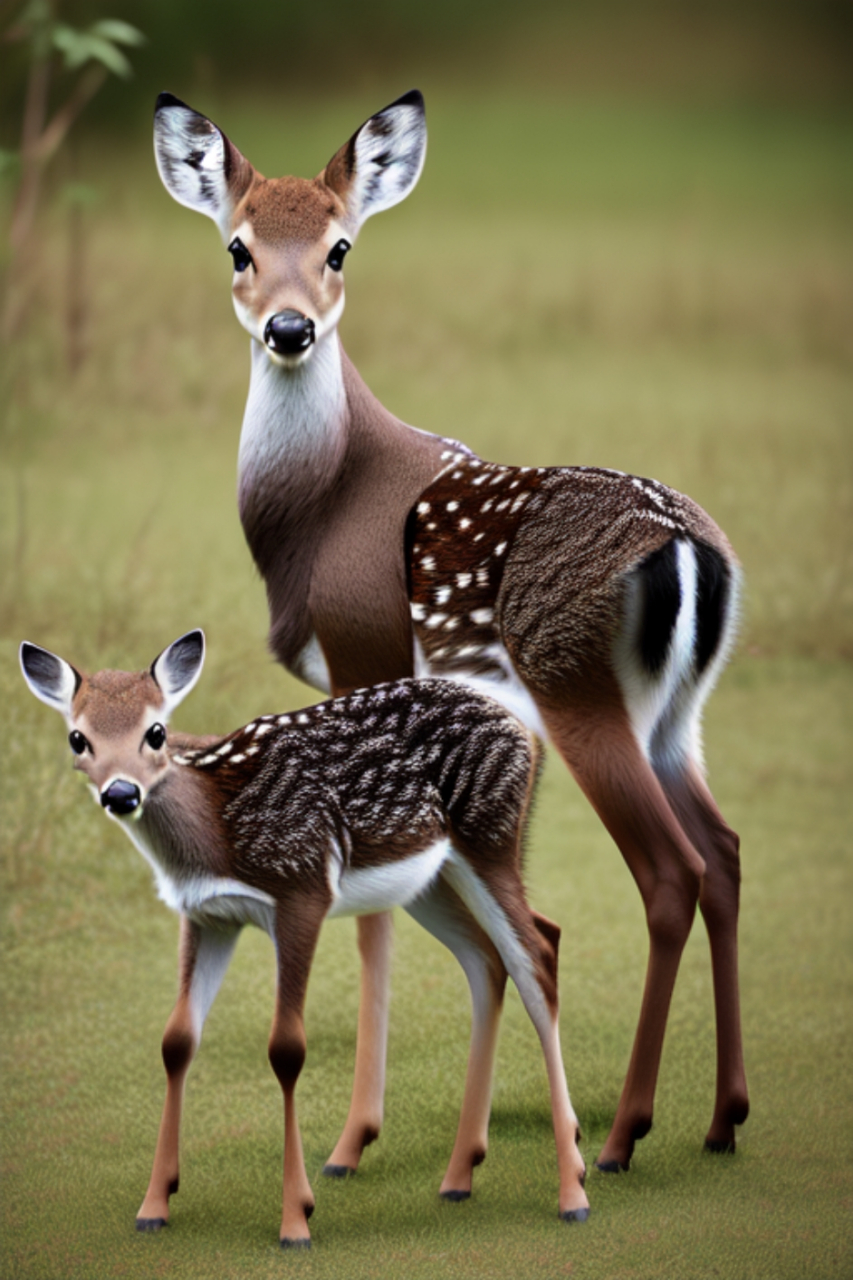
{"points": [[368, 889]]}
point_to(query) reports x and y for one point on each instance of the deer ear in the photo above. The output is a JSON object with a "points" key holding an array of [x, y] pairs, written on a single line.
{"points": [[198, 165], [177, 668], [382, 162], [52, 679]]}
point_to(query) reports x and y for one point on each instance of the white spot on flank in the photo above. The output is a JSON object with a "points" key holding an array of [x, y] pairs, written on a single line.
{"points": [[464, 524], [482, 617], [463, 579], [253, 749], [211, 759], [418, 612], [480, 479], [302, 719], [224, 749], [452, 506], [283, 720], [487, 506], [443, 594], [262, 729], [238, 759], [428, 564], [423, 507], [435, 620], [500, 548]]}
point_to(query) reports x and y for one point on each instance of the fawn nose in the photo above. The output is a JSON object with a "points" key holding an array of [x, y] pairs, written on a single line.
{"points": [[288, 333], [121, 797]]}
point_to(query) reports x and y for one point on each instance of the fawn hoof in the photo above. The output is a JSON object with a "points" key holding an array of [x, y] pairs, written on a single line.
{"points": [[299, 1242], [151, 1224], [338, 1171], [455, 1197], [574, 1215], [725, 1147]]}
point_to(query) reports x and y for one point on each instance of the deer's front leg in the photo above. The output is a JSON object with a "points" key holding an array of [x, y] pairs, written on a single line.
{"points": [[375, 937], [204, 957], [298, 921]]}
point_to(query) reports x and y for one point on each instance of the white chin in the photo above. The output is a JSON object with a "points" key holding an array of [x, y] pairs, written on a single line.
{"points": [[289, 362]]}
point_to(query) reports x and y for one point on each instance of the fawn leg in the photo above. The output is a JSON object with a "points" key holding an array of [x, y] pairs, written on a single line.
{"points": [[527, 944], [375, 938], [719, 903], [204, 956], [443, 914], [299, 917]]}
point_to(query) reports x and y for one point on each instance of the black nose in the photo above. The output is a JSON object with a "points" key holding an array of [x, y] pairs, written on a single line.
{"points": [[121, 797], [288, 333]]}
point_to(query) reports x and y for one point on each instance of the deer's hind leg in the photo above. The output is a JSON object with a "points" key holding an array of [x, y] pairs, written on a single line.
{"points": [[443, 914], [719, 903], [527, 944], [601, 749], [204, 957]]}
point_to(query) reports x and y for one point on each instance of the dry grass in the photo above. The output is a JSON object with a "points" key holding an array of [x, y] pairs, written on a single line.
{"points": [[668, 293]]}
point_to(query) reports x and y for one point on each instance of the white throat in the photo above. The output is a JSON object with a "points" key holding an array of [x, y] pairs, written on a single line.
{"points": [[293, 415]]}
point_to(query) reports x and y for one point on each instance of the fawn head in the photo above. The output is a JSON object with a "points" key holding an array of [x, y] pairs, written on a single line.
{"points": [[117, 719], [288, 237]]}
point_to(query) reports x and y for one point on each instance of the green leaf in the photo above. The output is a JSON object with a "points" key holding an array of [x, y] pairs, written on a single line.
{"points": [[119, 32], [80, 47]]}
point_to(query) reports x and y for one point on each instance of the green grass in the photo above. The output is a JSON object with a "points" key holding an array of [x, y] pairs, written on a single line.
{"points": [[664, 291]]}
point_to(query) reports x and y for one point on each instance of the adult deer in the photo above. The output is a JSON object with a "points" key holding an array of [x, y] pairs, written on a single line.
{"points": [[599, 606], [412, 794]]}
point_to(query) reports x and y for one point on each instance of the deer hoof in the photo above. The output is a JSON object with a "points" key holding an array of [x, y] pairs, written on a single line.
{"points": [[338, 1171], [724, 1147], [455, 1197], [151, 1224], [289, 1242], [574, 1215], [611, 1166]]}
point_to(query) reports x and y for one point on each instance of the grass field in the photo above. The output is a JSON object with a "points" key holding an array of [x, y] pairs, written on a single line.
{"points": [[667, 291]]}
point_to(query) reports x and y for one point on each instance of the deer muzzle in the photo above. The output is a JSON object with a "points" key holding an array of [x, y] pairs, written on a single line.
{"points": [[289, 333], [121, 797]]}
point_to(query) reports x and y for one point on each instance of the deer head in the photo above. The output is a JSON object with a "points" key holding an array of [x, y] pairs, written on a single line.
{"points": [[117, 719], [288, 237]]}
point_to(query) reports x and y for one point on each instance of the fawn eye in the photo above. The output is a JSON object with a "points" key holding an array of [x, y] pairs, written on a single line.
{"points": [[78, 742], [337, 254], [156, 736], [240, 254]]}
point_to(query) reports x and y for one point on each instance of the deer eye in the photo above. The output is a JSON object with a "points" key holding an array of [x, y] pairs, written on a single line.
{"points": [[78, 743], [156, 736], [240, 254], [337, 254]]}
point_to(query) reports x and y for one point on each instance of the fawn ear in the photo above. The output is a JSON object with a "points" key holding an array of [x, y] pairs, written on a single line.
{"points": [[177, 668], [382, 161], [198, 165], [51, 679]]}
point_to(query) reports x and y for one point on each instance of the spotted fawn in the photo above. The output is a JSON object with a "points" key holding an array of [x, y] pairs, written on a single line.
{"points": [[414, 793]]}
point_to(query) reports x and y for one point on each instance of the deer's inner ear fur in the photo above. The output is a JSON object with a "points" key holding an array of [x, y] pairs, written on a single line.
{"points": [[53, 680], [178, 667], [199, 166], [382, 161]]}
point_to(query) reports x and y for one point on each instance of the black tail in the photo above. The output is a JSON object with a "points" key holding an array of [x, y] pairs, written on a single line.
{"points": [[662, 601]]}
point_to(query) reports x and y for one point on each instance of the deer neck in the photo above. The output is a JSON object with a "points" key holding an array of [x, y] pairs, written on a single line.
{"points": [[321, 461]]}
